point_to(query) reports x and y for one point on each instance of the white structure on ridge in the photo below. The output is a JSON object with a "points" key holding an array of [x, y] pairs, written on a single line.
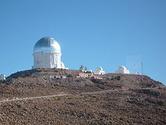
{"points": [[123, 70], [2, 77], [47, 54], [99, 71]]}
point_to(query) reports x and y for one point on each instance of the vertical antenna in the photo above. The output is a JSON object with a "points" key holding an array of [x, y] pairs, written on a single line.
{"points": [[142, 68]]}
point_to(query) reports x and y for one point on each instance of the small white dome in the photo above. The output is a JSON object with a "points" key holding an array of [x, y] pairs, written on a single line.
{"points": [[47, 44], [123, 70], [100, 71], [2, 77]]}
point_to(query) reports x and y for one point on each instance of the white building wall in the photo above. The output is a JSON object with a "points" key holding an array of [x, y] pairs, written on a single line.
{"points": [[47, 60]]}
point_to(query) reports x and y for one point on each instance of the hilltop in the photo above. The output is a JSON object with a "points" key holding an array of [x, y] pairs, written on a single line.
{"points": [[55, 96]]}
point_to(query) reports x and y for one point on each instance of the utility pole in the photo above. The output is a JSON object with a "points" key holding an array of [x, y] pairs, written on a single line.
{"points": [[142, 68]]}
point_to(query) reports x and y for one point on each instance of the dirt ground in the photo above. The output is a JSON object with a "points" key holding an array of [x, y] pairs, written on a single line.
{"points": [[116, 99]]}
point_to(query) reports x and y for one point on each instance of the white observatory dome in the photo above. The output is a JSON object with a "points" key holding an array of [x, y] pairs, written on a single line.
{"points": [[47, 44], [123, 70], [47, 54], [99, 71]]}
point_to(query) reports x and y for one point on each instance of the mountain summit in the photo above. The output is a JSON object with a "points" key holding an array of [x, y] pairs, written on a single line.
{"points": [[71, 97]]}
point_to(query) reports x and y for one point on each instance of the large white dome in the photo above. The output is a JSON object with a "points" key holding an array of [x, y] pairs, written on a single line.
{"points": [[47, 44], [47, 54]]}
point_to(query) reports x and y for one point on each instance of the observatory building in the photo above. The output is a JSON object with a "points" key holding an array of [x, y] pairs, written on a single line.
{"points": [[99, 71], [2, 77], [123, 70], [47, 54]]}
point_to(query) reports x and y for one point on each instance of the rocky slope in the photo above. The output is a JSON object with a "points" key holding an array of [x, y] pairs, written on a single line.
{"points": [[80, 98]]}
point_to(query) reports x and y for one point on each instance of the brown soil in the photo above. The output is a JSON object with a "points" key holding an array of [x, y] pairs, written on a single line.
{"points": [[115, 99]]}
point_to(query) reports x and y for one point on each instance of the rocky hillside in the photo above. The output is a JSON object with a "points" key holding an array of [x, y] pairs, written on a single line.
{"points": [[70, 97]]}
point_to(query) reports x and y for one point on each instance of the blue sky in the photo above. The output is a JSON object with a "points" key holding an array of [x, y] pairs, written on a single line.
{"points": [[93, 33]]}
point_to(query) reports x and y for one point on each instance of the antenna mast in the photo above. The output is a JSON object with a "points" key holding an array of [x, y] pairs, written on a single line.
{"points": [[142, 68]]}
